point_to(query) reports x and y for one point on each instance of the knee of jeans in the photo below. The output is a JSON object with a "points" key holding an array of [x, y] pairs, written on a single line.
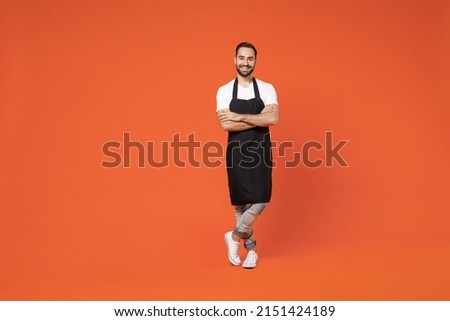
{"points": [[258, 208], [242, 208]]}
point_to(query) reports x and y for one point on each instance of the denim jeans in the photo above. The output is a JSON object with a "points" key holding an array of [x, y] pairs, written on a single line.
{"points": [[246, 216]]}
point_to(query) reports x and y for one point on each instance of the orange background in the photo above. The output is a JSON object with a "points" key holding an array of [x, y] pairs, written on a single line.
{"points": [[77, 74]]}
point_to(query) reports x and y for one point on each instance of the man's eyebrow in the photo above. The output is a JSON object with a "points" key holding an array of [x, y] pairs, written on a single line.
{"points": [[250, 57]]}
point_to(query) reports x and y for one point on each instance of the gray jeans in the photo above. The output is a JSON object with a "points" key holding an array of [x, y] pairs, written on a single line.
{"points": [[246, 215]]}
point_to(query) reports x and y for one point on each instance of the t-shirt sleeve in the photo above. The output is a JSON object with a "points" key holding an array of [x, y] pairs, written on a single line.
{"points": [[222, 99], [270, 95]]}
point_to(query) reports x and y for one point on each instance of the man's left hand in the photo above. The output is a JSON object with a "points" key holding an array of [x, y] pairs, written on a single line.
{"points": [[226, 115]]}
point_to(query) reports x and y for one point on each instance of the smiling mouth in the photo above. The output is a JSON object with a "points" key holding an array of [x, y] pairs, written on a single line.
{"points": [[244, 70]]}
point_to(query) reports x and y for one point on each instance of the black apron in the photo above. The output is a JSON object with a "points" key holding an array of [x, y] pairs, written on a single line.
{"points": [[249, 157]]}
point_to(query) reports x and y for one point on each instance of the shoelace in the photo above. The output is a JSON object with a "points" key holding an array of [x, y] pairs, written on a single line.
{"points": [[235, 248]]}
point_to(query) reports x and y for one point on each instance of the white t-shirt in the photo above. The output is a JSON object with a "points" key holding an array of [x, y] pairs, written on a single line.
{"points": [[225, 94]]}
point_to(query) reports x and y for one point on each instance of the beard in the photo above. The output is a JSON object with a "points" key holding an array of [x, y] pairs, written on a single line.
{"points": [[244, 73]]}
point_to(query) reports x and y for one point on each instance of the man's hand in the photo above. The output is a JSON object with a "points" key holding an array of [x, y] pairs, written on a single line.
{"points": [[269, 108], [231, 121], [267, 117], [227, 115]]}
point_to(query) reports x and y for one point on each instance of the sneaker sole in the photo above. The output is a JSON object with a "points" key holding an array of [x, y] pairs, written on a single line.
{"points": [[246, 266]]}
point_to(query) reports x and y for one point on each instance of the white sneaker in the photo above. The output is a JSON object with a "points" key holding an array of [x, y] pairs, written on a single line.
{"points": [[250, 260], [232, 247]]}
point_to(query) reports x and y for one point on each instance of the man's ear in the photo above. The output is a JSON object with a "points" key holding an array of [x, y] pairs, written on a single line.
{"points": [[234, 59]]}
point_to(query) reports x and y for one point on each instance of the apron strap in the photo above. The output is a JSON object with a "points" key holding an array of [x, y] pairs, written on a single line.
{"points": [[235, 89], [255, 88]]}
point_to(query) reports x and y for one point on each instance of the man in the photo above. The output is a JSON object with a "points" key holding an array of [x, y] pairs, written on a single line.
{"points": [[245, 108]]}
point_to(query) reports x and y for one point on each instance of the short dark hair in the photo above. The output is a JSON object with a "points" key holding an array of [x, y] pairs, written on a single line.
{"points": [[246, 45]]}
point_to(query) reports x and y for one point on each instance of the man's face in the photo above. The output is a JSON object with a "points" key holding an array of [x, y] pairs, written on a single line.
{"points": [[245, 61]]}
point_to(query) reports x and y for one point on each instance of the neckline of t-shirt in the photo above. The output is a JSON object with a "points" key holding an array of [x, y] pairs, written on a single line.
{"points": [[249, 86]]}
